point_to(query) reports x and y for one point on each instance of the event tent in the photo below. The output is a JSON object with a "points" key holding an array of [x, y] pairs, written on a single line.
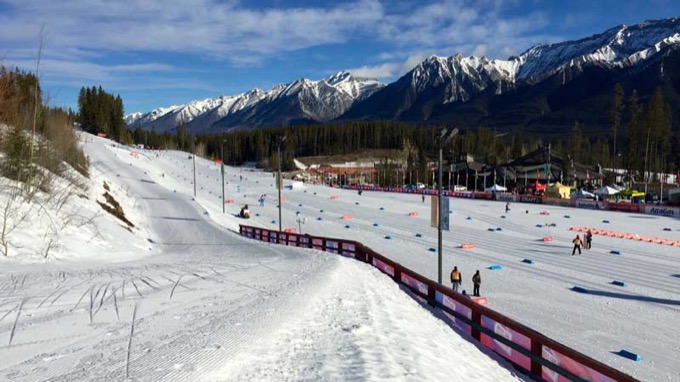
{"points": [[582, 194], [536, 186], [606, 191], [496, 188], [558, 190]]}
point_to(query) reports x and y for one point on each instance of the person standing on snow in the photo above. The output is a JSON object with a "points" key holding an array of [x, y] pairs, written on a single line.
{"points": [[577, 245], [476, 281], [423, 198], [456, 278], [589, 239], [507, 207]]}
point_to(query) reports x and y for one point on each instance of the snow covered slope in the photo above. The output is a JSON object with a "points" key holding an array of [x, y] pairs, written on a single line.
{"points": [[211, 305]]}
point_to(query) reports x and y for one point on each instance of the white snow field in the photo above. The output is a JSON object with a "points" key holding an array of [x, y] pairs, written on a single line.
{"points": [[642, 317], [211, 305]]}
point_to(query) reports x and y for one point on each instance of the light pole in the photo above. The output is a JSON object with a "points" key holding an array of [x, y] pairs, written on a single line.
{"points": [[279, 180], [193, 150], [223, 201], [444, 136]]}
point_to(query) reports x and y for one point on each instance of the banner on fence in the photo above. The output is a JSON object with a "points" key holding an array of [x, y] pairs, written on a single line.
{"points": [[383, 266], [529, 199], [503, 349], [673, 212], [624, 207], [458, 308], [571, 366]]}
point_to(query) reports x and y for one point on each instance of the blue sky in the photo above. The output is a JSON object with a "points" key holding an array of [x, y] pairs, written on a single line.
{"points": [[164, 52]]}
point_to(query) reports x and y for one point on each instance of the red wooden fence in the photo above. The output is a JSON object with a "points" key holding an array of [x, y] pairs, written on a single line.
{"points": [[528, 350]]}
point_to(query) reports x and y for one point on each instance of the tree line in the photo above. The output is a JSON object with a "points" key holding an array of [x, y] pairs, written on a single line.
{"points": [[640, 137], [100, 112], [36, 137]]}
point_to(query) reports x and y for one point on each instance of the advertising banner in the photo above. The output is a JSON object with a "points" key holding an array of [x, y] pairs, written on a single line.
{"points": [[585, 203], [672, 212], [456, 307], [420, 286], [292, 240], [570, 365], [445, 214], [434, 204], [505, 197], [624, 207], [530, 199], [504, 350], [317, 244], [348, 249], [384, 267], [557, 202], [304, 241], [332, 246]]}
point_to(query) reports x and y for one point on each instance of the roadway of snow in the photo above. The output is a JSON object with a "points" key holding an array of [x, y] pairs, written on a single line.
{"points": [[211, 304], [642, 317]]}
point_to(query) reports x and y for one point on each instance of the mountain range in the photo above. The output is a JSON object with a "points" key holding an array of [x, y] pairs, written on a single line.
{"points": [[543, 90]]}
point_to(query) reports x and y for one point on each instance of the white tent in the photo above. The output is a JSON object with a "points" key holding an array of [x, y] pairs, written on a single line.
{"points": [[606, 191], [496, 187], [581, 194]]}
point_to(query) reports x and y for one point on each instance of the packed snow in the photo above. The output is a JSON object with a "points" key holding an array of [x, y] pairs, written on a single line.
{"points": [[641, 317], [210, 304]]}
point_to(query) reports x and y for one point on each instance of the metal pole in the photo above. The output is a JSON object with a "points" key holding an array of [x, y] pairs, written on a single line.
{"points": [[223, 177], [194, 156], [278, 185], [439, 217], [280, 180]]}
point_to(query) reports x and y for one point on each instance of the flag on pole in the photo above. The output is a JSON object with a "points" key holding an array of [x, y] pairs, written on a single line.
{"points": [[587, 176]]}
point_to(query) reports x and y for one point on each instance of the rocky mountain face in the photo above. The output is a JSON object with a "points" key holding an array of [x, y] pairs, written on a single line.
{"points": [[301, 101], [545, 88], [443, 83]]}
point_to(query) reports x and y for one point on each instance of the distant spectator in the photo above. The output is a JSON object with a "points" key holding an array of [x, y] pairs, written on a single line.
{"points": [[476, 281], [577, 245], [456, 278]]}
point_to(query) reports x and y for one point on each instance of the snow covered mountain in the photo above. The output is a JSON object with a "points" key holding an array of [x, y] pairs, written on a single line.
{"points": [[434, 87], [441, 80], [300, 101], [132, 118]]}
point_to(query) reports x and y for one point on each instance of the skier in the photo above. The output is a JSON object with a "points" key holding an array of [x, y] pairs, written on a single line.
{"points": [[261, 200], [507, 207], [577, 245], [589, 239], [423, 198], [456, 277], [476, 281]]}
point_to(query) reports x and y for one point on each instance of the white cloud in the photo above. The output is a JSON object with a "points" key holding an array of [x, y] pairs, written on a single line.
{"points": [[387, 70]]}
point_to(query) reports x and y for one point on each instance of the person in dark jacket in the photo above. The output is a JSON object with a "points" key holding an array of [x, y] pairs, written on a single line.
{"points": [[589, 239], [577, 245], [476, 281]]}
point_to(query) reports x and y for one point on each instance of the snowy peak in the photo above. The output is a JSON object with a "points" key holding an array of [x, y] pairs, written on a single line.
{"points": [[462, 77], [620, 46], [132, 118], [320, 100]]}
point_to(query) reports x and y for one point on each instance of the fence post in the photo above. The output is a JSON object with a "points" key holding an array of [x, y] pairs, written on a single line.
{"points": [[477, 319], [397, 274], [431, 295], [536, 350]]}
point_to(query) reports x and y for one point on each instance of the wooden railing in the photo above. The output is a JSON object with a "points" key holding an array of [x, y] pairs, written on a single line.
{"points": [[528, 350]]}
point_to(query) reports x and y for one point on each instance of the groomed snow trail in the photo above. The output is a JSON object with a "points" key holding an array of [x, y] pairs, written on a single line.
{"points": [[212, 304]]}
